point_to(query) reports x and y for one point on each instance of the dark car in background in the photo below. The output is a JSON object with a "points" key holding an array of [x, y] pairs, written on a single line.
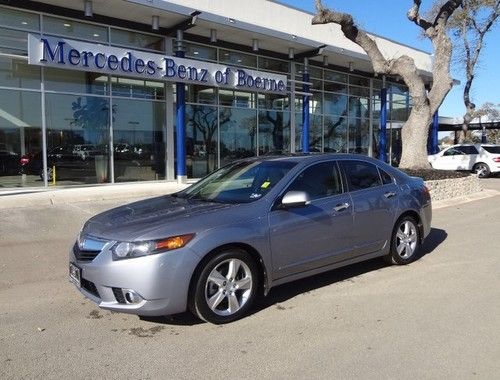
{"points": [[9, 162], [249, 226], [69, 163]]}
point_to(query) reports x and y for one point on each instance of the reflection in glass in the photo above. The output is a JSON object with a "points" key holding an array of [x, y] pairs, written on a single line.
{"points": [[201, 139], [359, 81], [238, 133], [74, 29], [316, 103], [335, 134], [237, 58], [13, 41], [138, 140], [77, 139], [315, 132], [274, 132], [273, 101], [19, 19], [20, 138], [269, 64], [359, 91], [237, 98], [17, 73], [137, 40], [137, 88], [200, 94], [359, 133], [335, 104], [76, 81], [336, 87], [359, 107], [204, 53], [336, 77]]}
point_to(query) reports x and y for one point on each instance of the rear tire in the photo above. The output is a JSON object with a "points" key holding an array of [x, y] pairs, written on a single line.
{"points": [[225, 288], [481, 169], [405, 242]]}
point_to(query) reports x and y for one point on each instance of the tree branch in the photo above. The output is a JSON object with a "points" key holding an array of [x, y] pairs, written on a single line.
{"points": [[414, 16], [446, 11]]}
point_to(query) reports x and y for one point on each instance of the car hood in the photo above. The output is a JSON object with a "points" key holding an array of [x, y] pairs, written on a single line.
{"points": [[162, 216]]}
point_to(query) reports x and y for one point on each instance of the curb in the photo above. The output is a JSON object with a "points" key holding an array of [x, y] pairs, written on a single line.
{"points": [[486, 193], [87, 194]]}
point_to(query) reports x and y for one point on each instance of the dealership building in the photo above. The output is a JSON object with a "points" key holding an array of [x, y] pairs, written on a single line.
{"points": [[113, 91]]}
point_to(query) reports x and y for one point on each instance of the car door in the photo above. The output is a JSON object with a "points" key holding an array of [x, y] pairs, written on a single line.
{"points": [[374, 197], [318, 234], [450, 159], [468, 158]]}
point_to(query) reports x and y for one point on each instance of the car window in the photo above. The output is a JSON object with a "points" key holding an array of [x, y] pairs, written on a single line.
{"points": [[241, 182], [495, 149], [361, 175], [386, 178], [318, 181], [467, 149], [452, 152]]}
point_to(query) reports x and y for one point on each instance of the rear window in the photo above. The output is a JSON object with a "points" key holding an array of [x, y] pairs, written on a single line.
{"points": [[386, 178], [361, 175], [492, 149], [467, 149]]}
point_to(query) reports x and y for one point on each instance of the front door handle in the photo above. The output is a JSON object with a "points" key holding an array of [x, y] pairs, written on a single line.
{"points": [[341, 207], [390, 194]]}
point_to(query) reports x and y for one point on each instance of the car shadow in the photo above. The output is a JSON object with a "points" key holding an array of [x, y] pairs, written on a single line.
{"points": [[292, 289]]}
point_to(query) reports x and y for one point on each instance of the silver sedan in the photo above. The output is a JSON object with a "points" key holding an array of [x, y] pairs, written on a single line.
{"points": [[252, 225]]}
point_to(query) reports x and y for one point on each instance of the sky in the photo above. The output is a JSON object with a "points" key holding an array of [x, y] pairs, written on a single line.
{"points": [[387, 18]]}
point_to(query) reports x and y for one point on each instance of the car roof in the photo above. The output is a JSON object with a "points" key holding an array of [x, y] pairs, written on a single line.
{"points": [[304, 157]]}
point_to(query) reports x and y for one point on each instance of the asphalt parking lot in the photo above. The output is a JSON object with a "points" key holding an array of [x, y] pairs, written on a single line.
{"points": [[436, 318]]}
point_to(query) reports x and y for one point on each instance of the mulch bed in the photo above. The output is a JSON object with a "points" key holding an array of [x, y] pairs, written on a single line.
{"points": [[432, 174]]}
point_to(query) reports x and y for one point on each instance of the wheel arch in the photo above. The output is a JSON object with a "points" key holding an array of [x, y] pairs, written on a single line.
{"points": [[415, 215], [263, 274]]}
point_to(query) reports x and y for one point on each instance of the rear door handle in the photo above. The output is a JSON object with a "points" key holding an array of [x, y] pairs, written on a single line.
{"points": [[341, 207], [390, 194]]}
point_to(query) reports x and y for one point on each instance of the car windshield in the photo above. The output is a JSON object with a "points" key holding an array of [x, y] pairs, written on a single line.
{"points": [[495, 149], [242, 182]]}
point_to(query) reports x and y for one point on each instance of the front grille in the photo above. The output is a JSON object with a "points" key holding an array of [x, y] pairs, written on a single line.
{"points": [[119, 295], [90, 287], [84, 255]]}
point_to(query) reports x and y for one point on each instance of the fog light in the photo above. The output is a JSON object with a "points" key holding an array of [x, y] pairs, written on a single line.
{"points": [[131, 297]]}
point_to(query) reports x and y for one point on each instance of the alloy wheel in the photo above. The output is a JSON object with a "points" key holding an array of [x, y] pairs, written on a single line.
{"points": [[406, 239], [228, 287], [481, 170]]}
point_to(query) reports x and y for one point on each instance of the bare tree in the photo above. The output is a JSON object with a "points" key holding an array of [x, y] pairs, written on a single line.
{"points": [[469, 26], [491, 112], [425, 103]]}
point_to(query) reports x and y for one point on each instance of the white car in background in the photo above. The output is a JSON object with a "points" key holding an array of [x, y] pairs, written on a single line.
{"points": [[482, 159]]}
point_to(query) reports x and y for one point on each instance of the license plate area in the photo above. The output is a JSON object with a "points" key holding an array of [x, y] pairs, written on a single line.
{"points": [[75, 275]]}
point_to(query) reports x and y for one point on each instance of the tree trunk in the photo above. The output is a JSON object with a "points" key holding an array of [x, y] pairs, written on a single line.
{"points": [[425, 104], [468, 117], [414, 137]]}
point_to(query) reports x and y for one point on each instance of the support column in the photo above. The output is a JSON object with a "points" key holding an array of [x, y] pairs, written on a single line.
{"points": [[382, 154], [305, 108], [433, 145], [180, 126]]}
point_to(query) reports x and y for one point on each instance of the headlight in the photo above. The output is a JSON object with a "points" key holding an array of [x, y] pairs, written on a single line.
{"points": [[127, 250]]}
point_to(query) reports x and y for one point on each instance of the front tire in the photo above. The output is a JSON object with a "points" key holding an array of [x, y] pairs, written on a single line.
{"points": [[481, 169], [226, 287], [405, 242]]}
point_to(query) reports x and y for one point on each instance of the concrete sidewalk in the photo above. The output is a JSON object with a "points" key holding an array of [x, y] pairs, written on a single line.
{"points": [[131, 191], [87, 194]]}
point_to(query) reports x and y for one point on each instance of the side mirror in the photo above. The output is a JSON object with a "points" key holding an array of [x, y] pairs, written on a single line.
{"points": [[295, 199]]}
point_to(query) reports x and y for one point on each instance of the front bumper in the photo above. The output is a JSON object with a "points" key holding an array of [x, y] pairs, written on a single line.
{"points": [[161, 281]]}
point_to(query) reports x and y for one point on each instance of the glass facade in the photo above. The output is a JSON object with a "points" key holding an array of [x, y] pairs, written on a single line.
{"points": [[61, 127]]}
